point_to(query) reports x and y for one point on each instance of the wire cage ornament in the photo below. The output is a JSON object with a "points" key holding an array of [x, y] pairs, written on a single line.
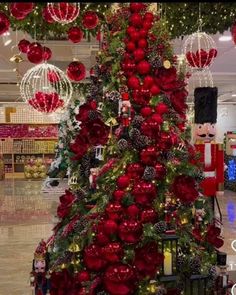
{"points": [[46, 88], [63, 12]]}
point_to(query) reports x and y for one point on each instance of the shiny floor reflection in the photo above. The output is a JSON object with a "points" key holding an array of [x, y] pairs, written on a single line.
{"points": [[26, 216]]}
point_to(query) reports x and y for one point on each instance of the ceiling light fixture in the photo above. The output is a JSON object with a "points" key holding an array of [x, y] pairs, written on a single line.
{"points": [[6, 38], [233, 95], [225, 38]]}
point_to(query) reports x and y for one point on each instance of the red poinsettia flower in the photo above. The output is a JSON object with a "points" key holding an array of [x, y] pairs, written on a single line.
{"points": [[95, 131], [84, 111], [66, 202], [184, 188], [178, 100], [79, 147], [213, 236]]}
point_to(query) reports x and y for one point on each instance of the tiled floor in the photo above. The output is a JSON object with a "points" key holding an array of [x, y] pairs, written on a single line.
{"points": [[26, 216]]}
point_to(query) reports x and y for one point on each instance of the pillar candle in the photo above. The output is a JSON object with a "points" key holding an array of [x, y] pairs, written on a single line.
{"points": [[167, 263]]}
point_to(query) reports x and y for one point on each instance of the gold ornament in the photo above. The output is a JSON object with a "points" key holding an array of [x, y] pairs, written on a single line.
{"points": [[167, 64], [74, 247], [63, 266], [152, 288], [184, 219]]}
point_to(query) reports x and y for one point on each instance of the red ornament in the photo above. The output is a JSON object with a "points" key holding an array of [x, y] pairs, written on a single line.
{"points": [[136, 20], [90, 20], [142, 43], [133, 82], [134, 170], [130, 46], [35, 53], [147, 24], [201, 58], [148, 216], [4, 23], [102, 239], [143, 33], [184, 188], [110, 227], [114, 211], [46, 102], [149, 16], [93, 258], [23, 45], [47, 16], [130, 231], [137, 7], [112, 252], [160, 170], [135, 36], [75, 34], [82, 276], [130, 30], [146, 112], [47, 53], [155, 90], [76, 71], [161, 108], [15, 13], [148, 82], [23, 7], [118, 195], [144, 192], [148, 155], [123, 181], [119, 279], [157, 118], [139, 54], [133, 212], [143, 67]]}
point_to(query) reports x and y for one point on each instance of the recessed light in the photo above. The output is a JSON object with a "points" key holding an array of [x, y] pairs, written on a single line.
{"points": [[225, 38], [234, 95]]}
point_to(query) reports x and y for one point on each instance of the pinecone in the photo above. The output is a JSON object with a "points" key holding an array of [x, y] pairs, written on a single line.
{"points": [[113, 95], [213, 273], [137, 121], [149, 173], [80, 194], [81, 224], [195, 265], [120, 51], [160, 226], [134, 133], [181, 261], [93, 115], [85, 166], [140, 142], [122, 144], [156, 62]]}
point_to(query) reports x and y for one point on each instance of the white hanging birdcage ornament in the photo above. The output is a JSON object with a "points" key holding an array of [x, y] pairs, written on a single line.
{"points": [[99, 152], [46, 88], [200, 50], [63, 12]]}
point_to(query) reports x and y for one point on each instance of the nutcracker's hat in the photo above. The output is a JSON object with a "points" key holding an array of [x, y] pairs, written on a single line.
{"points": [[205, 105]]}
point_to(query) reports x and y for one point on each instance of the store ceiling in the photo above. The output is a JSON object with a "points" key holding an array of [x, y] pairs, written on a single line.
{"points": [[223, 70]]}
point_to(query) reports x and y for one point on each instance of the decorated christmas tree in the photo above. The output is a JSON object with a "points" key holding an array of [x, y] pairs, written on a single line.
{"points": [[134, 220]]}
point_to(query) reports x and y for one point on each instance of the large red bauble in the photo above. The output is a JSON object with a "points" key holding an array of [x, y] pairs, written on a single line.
{"points": [[136, 20], [149, 216], [143, 33], [123, 181], [102, 239], [139, 54], [135, 36], [16, 13], [23, 45], [130, 30], [118, 195], [157, 118], [76, 71], [75, 34], [133, 211], [148, 82], [149, 16], [35, 53], [130, 231], [161, 108], [4, 23], [23, 7], [146, 112], [130, 46], [144, 192], [133, 82], [150, 128], [134, 170], [113, 252], [148, 155], [147, 25], [110, 227], [114, 210], [160, 170], [90, 20], [137, 7], [47, 53], [47, 16], [83, 276], [143, 67], [93, 259], [155, 90], [142, 43]]}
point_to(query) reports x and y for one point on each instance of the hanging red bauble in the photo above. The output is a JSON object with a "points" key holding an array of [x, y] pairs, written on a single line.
{"points": [[143, 67], [123, 181], [133, 82], [233, 32], [75, 34], [82, 276], [139, 54], [93, 259], [47, 53], [23, 46], [118, 195], [35, 53], [148, 155], [90, 20], [47, 16], [146, 112], [114, 210], [137, 7], [15, 13], [142, 43], [130, 46], [136, 20], [155, 90], [133, 212], [149, 216], [113, 252], [76, 71], [144, 192], [4, 23], [149, 16], [119, 279], [148, 82], [130, 231], [134, 170], [160, 170], [161, 108], [23, 7], [110, 227]]}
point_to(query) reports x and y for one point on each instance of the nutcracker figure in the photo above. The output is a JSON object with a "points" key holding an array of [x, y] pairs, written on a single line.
{"points": [[39, 277], [93, 179], [211, 153], [125, 112]]}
